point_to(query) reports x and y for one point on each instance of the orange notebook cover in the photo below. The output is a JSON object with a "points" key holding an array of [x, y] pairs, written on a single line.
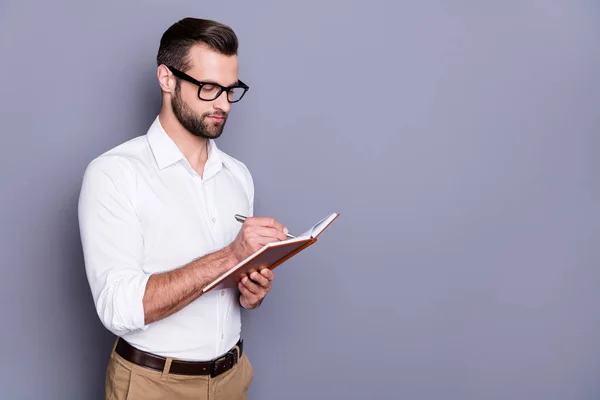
{"points": [[274, 254]]}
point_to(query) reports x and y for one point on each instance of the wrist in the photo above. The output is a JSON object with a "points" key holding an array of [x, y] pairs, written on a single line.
{"points": [[231, 256]]}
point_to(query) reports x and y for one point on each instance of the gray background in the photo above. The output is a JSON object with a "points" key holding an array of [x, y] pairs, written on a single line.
{"points": [[458, 140]]}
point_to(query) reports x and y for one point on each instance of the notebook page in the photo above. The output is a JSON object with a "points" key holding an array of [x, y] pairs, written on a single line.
{"points": [[321, 225], [317, 228]]}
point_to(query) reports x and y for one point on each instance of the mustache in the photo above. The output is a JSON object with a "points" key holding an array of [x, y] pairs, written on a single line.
{"points": [[218, 114]]}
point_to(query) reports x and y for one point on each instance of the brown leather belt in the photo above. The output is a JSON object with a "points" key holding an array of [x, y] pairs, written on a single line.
{"points": [[213, 367]]}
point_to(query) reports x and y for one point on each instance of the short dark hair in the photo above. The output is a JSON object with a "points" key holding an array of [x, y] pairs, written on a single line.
{"points": [[182, 35]]}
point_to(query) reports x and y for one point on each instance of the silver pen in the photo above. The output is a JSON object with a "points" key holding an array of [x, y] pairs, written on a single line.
{"points": [[241, 218]]}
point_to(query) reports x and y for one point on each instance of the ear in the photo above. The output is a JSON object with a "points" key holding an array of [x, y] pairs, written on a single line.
{"points": [[166, 80]]}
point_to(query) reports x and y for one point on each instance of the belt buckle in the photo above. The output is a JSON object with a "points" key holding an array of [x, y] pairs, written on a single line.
{"points": [[213, 364]]}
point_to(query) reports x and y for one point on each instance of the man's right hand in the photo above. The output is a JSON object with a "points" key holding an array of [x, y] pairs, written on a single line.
{"points": [[255, 233]]}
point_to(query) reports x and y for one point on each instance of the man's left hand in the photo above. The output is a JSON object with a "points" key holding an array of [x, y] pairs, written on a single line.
{"points": [[254, 288]]}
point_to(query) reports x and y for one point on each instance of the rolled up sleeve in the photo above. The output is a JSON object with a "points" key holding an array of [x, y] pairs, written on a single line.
{"points": [[112, 242]]}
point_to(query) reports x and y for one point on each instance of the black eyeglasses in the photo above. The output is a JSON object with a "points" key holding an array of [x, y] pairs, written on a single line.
{"points": [[209, 91]]}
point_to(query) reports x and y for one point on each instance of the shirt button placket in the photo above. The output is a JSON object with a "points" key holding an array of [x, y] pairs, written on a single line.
{"points": [[210, 210], [222, 327], [206, 208]]}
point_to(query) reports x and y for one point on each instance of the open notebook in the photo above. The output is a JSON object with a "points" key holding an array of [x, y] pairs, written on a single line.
{"points": [[273, 254]]}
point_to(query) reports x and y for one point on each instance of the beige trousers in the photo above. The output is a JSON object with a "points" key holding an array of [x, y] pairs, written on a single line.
{"points": [[127, 381]]}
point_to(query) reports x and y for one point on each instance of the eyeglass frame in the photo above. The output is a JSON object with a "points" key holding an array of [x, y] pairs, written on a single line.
{"points": [[222, 88]]}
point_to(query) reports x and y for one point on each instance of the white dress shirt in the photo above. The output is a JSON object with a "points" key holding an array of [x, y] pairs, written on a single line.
{"points": [[143, 210]]}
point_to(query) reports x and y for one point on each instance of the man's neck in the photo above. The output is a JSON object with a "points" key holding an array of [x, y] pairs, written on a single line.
{"points": [[193, 148]]}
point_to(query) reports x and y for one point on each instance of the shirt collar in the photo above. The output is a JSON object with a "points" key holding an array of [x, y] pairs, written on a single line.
{"points": [[214, 163], [167, 153]]}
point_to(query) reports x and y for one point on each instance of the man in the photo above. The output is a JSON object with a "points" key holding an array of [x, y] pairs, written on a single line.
{"points": [[157, 225]]}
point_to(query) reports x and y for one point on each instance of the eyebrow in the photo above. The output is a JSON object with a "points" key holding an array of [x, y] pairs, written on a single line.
{"points": [[216, 83], [176, 72]]}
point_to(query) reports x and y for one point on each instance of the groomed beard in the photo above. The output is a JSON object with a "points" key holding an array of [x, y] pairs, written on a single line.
{"points": [[197, 125]]}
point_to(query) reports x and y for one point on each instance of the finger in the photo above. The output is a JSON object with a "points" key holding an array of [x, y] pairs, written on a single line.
{"points": [[267, 273], [251, 286], [267, 222], [254, 242], [259, 279], [250, 297], [267, 234]]}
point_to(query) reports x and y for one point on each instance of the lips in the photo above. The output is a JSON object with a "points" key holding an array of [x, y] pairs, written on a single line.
{"points": [[217, 118]]}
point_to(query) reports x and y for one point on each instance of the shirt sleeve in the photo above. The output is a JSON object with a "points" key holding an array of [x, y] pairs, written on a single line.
{"points": [[112, 241]]}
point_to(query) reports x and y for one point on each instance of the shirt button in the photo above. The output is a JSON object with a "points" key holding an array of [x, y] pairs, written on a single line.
{"points": [[222, 293], [222, 335], [214, 220]]}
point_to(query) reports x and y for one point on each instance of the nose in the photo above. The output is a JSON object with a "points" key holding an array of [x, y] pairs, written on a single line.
{"points": [[221, 102]]}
